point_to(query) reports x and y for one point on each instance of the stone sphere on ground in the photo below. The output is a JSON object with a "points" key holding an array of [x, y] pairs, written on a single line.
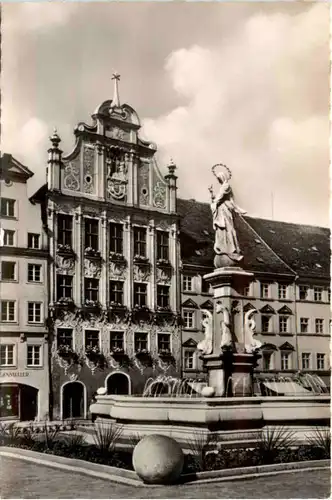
{"points": [[158, 459]]}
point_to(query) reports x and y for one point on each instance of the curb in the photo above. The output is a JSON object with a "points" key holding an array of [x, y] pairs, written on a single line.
{"points": [[127, 477]]}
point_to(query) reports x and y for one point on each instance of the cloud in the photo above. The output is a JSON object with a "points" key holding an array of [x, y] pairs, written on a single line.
{"points": [[258, 103]]}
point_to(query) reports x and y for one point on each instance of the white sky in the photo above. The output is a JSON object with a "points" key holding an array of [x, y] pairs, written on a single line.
{"points": [[246, 84]]}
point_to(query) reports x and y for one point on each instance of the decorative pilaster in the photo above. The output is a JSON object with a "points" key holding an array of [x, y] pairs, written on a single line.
{"points": [[175, 270], [100, 169], [104, 250], [131, 166], [151, 248], [51, 224], [78, 248], [128, 253], [171, 179]]}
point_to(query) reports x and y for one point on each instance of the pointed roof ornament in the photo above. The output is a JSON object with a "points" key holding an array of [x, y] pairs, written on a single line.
{"points": [[171, 167], [116, 99], [55, 139]]}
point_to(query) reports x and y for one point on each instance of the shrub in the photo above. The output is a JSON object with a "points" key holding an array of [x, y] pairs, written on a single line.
{"points": [[321, 439], [199, 445], [106, 436], [74, 441], [50, 436], [272, 441], [9, 433]]}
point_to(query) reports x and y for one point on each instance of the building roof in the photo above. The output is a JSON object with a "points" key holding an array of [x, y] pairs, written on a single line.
{"points": [[268, 246], [306, 249], [12, 169]]}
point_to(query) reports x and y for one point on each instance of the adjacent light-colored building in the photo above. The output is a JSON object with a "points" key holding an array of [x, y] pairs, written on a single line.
{"points": [[24, 380], [290, 290], [114, 262]]}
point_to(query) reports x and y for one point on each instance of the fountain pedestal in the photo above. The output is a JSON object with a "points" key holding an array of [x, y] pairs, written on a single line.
{"points": [[229, 366]]}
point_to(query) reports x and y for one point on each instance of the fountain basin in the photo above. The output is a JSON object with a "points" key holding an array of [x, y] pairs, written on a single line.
{"points": [[235, 420]]}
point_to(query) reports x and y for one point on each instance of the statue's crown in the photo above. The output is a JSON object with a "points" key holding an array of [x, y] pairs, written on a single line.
{"points": [[221, 170]]}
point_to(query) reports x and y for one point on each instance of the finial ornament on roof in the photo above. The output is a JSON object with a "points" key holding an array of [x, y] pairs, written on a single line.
{"points": [[171, 166], [55, 139], [116, 98]]}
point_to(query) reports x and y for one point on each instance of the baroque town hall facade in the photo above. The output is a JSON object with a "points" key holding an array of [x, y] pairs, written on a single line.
{"points": [[114, 304]]}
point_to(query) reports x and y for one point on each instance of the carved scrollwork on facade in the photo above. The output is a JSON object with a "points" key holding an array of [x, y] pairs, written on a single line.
{"points": [[163, 225], [71, 179], [141, 272], [159, 195], [144, 184], [89, 169], [118, 270], [117, 172], [92, 268], [164, 276], [65, 264]]}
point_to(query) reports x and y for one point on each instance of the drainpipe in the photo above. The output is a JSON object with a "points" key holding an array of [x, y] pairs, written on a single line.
{"points": [[295, 319]]}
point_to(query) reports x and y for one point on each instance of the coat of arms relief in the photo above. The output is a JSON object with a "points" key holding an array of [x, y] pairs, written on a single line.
{"points": [[117, 175]]}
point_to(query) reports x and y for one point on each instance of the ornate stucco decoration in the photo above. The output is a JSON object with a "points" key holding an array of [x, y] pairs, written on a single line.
{"points": [[92, 268], [226, 335], [117, 176], [164, 275], [71, 178], [143, 176], [89, 169], [206, 345], [159, 195], [118, 270], [141, 272], [251, 345], [65, 264], [223, 207]]}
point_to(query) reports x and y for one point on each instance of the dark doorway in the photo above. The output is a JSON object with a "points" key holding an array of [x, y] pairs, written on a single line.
{"points": [[9, 401], [29, 402], [118, 384], [73, 400]]}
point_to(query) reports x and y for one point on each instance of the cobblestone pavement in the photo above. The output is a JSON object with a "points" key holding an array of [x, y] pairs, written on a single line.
{"points": [[20, 479]]}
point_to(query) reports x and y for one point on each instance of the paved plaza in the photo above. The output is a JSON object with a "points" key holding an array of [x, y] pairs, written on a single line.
{"points": [[20, 479]]}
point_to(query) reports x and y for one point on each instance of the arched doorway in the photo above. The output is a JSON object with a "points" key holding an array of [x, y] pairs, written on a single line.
{"points": [[29, 402], [73, 400], [118, 383]]}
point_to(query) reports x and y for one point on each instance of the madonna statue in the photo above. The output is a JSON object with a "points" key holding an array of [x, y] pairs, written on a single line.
{"points": [[226, 246]]}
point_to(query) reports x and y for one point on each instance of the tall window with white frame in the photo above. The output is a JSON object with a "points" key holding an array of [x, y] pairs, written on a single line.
{"points": [[141, 342], [304, 325], [187, 283], [267, 360], [8, 271], [34, 357], [34, 273], [91, 291], [116, 238], [65, 230], [35, 312], [65, 337], [189, 319], [189, 360], [116, 341], [319, 325], [163, 296], [320, 361], [318, 294], [8, 238], [7, 355], [162, 246], [285, 360], [266, 323], [8, 311], [139, 242], [282, 291], [305, 360], [265, 290], [91, 339], [7, 207], [140, 295], [116, 293], [33, 240], [164, 342], [283, 324], [91, 234], [303, 292], [64, 287]]}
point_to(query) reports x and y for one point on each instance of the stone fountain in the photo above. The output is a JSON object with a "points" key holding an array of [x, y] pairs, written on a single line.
{"points": [[227, 406]]}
